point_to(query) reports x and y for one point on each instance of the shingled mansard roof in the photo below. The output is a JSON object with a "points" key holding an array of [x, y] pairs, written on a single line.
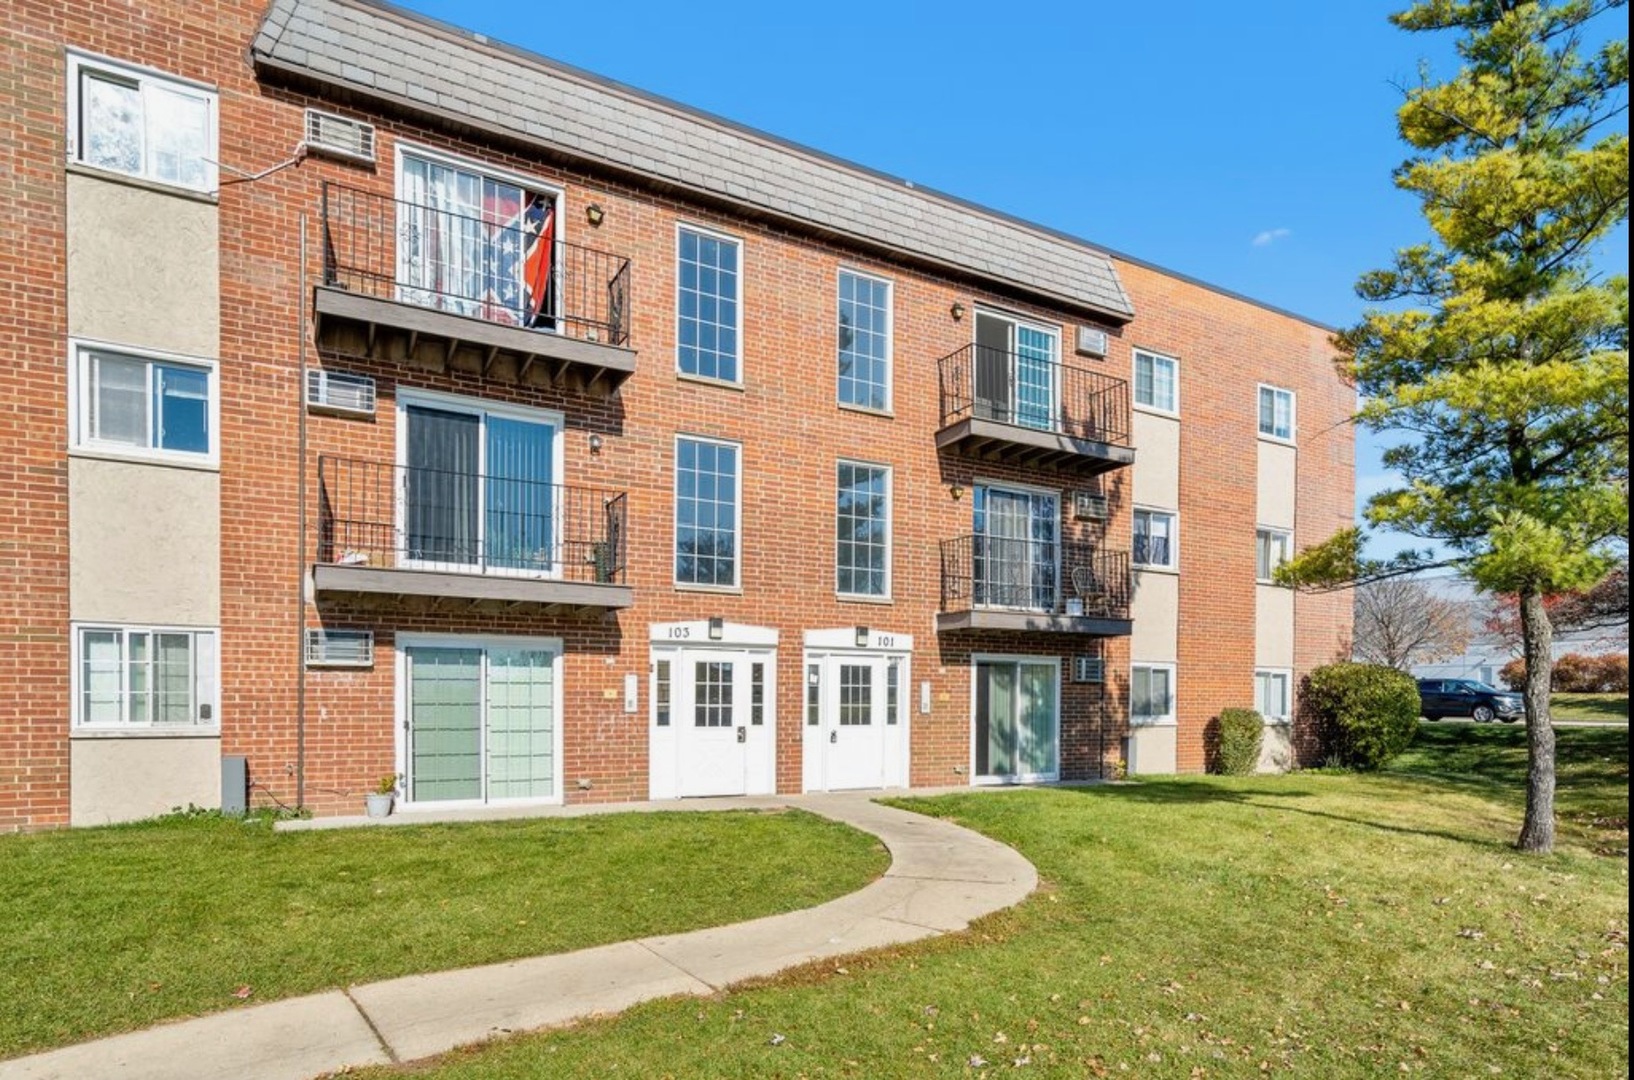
{"points": [[426, 67]]}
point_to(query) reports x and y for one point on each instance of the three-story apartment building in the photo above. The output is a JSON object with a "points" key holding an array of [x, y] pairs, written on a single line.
{"points": [[389, 401]]}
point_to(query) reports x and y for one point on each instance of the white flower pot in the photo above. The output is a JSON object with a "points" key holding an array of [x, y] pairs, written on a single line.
{"points": [[377, 805]]}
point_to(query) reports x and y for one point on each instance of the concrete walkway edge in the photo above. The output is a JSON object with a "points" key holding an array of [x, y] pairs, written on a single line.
{"points": [[942, 877]]}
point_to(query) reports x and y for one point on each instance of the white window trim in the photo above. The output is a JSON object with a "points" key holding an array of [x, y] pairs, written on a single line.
{"points": [[80, 61], [404, 640], [1288, 537], [675, 515], [1288, 693], [1168, 719], [890, 341], [977, 659], [1173, 565], [79, 443], [1293, 415], [76, 674], [725, 237], [885, 597], [1134, 354]]}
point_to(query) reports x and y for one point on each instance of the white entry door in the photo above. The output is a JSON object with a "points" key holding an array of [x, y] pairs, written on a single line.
{"points": [[854, 721], [719, 707]]}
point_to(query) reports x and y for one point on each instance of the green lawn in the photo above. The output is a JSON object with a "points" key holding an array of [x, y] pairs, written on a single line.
{"points": [[103, 930], [1612, 708], [1322, 925]]}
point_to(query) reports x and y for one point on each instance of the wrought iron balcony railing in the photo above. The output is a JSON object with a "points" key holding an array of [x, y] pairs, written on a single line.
{"points": [[376, 514], [485, 267], [984, 572], [1024, 391]]}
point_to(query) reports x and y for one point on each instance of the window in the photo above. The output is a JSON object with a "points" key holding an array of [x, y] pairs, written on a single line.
{"points": [[1271, 695], [1271, 549], [1276, 413], [712, 694], [863, 528], [145, 406], [1156, 385], [893, 679], [707, 311], [1155, 539], [1151, 694], [706, 513], [856, 695], [865, 341], [814, 699], [139, 123], [661, 692], [129, 677]]}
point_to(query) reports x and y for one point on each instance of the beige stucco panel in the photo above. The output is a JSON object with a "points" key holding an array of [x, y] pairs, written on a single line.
{"points": [[144, 543], [1157, 460], [1277, 482], [1273, 627], [1153, 749], [1277, 749], [127, 779], [1155, 611], [143, 267]]}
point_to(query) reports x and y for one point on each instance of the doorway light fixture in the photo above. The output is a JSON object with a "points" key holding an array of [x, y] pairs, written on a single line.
{"points": [[717, 628], [957, 311], [594, 214], [862, 637]]}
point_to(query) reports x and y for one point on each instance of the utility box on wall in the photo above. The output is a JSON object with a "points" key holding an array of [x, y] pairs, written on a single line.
{"points": [[235, 785]]}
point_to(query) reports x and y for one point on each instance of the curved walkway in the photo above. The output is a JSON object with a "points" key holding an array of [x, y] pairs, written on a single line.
{"points": [[941, 877]]}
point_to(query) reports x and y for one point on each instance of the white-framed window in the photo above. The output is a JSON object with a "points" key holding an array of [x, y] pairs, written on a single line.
{"points": [[862, 521], [864, 341], [1276, 413], [141, 123], [1151, 694], [1155, 535], [1272, 548], [1157, 381], [1271, 694], [709, 305], [708, 495], [137, 403], [139, 678]]}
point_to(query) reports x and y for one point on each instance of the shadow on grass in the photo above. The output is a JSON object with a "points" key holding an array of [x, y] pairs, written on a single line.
{"points": [[1613, 707]]}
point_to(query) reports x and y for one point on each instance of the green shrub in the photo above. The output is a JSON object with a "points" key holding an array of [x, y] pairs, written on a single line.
{"points": [[1241, 732], [1367, 713]]}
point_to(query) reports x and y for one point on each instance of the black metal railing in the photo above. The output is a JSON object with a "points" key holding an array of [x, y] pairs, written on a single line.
{"points": [[1027, 392], [477, 266], [1045, 576], [391, 516]]}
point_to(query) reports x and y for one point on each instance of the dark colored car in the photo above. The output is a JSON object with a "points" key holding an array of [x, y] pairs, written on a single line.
{"points": [[1466, 697]]}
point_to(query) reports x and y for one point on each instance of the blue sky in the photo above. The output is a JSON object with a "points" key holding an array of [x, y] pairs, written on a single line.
{"points": [[1249, 145]]}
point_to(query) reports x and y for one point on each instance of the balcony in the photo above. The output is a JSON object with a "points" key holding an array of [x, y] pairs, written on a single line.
{"points": [[993, 583], [429, 287], [1017, 408], [395, 531]]}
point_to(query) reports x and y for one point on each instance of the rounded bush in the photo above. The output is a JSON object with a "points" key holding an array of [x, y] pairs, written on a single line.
{"points": [[1368, 713], [1241, 733]]}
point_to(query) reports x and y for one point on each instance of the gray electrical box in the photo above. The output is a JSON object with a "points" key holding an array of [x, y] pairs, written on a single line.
{"points": [[235, 785]]}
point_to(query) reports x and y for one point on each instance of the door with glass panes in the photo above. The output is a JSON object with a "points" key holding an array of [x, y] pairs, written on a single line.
{"points": [[721, 707], [855, 703], [479, 723], [1017, 720]]}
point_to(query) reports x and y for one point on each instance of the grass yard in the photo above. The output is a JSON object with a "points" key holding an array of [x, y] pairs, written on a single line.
{"points": [[1606, 708], [1323, 925], [103, 930]]}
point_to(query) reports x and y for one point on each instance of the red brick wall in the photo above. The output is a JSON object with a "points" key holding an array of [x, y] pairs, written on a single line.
{"points": [[785, 417]]}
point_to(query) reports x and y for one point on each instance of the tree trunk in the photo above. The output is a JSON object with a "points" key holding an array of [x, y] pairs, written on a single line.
{"points": [[1537, 644]]}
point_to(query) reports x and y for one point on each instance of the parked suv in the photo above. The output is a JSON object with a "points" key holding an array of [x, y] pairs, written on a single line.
{"points": [[1466, 697]]}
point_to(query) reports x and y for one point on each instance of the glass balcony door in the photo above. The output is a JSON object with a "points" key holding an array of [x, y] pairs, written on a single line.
{"points": [[1016, 372], [1016, 557]]}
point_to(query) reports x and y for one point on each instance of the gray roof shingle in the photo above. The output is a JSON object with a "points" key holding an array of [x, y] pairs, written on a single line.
{"points": [[375, 49]]}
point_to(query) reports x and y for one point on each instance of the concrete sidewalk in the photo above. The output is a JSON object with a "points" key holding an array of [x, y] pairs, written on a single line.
{"points": [[941, 877]]}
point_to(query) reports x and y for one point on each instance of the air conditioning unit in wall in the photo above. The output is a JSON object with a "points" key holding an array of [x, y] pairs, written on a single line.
{"points": [[339, 392], [340, 648], [1090, 506], [339, 136], [1088, 669], [1091, 342]]}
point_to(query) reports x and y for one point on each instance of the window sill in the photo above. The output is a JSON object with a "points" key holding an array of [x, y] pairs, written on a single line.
{"points": [[715, 590], [79, 168], [857, 598], [704, 380], [180, 731], [1268, 583], [1146, 568], [193, 463], [1153, 410], [883, 414], [1278, 721], [1156, 722], [1278, 440]]}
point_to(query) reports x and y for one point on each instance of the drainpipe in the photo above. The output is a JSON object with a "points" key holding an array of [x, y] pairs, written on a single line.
{"points": [[300, 540]]}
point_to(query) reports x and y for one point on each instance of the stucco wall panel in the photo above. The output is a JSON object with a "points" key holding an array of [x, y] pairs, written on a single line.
{"points": [[1278, 481], [1273, 627], [127, 779], [1156, 614]]}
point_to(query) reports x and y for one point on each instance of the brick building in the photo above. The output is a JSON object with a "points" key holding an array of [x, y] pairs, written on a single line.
{"points": [[384, 400]]}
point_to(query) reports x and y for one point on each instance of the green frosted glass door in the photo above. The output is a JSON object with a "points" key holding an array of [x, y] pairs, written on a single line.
{"points": [[521, 724], [445, 724], [1017, 720]]}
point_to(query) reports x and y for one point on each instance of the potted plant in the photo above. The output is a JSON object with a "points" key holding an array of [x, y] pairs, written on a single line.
{"points": [[379, 801]]}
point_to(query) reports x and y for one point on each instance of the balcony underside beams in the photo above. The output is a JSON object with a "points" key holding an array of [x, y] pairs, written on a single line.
{"points": [[355, 324], [990, 440], [982, 619], [551, 594]]}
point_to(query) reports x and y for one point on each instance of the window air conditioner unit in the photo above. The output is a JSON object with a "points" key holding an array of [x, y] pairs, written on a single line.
{"points": [[340, 137], [1088, 669], [340, 648], [1090, 506], [1091, 342], [339, 392]]}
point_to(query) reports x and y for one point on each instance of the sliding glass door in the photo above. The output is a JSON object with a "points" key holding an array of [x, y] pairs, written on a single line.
{"points": [[1016, 557], [1017, 721], [1016, 372]]}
